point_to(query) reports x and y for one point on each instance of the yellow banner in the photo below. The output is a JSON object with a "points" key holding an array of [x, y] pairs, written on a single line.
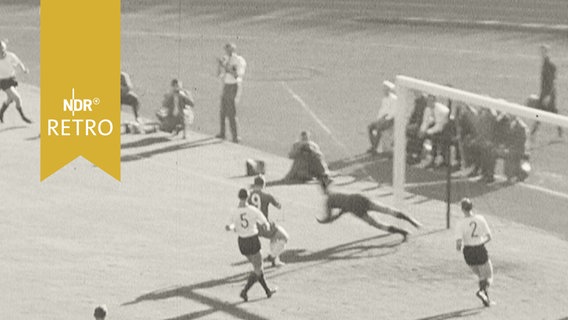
{"points": [[80, 88]]}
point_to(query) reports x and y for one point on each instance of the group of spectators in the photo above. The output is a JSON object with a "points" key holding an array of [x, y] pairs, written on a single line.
{"points": [[177, 106], [477, 137], [442, 133], [176, 111]]}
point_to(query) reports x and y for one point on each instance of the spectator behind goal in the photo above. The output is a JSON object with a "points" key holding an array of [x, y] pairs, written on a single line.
{"points": [[385, 117]]}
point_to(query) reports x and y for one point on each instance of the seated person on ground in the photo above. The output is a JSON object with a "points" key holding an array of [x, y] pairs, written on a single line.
{"points": [[176, 104], [414, 142], [127, 96], [515, 135], [486, 129], [434, 127], [466, 121], [308, 162], [385, 117]]}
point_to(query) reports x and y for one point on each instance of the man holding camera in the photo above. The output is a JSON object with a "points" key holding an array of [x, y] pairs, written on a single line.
{"points": [[231, 69]]}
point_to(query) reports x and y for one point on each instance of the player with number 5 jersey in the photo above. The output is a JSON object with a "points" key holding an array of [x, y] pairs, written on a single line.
{"points": [[244, 222], [472, 233], [277, 235]]}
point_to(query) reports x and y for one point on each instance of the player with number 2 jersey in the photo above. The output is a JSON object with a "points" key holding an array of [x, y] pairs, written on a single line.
{"points": [[472, 233]]}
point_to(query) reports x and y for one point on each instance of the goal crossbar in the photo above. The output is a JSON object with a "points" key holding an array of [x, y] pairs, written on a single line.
{"points": [[406, 99]]}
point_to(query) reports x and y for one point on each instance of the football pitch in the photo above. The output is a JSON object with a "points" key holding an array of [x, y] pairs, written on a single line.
{"points": [[153, 246]]}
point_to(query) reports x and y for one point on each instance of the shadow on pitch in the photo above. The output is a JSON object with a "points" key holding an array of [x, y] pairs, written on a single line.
{"points": [[144, 142], [215, 305], [352, 250], [12, 128], [358, 249], [455, 314], [427, 183], [34, 138], [177, 147]]}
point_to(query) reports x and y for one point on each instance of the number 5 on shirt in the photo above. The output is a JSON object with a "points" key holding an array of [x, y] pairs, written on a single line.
{"points": [[244, 222]]}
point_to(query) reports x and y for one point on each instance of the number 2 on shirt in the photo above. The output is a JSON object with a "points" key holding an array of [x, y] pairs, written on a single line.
{"points": [[473, 224], [244, 222]]}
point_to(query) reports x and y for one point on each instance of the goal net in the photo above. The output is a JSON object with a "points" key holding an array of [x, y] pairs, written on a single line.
{"points": [[545, 187]]}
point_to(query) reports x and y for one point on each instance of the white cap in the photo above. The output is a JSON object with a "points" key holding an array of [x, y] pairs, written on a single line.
{"points": [[389, 85]]}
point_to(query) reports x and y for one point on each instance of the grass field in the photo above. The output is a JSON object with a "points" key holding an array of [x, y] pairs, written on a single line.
{"points": [[153, 246]]}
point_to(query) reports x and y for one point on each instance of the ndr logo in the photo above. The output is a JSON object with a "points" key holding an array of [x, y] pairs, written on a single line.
{"points": [[79, 127], [79, 105]]}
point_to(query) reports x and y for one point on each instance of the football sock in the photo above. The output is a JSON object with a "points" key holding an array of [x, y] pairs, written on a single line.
{"points": [[2, 110], [263, 283], [252, 278], [23, 116]]}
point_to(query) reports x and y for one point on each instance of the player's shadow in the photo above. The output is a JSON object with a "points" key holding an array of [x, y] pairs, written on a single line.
{"points": [[172, 148], [358, 249], [455, 314], [215, 305], [144, 142], [12, 128]]}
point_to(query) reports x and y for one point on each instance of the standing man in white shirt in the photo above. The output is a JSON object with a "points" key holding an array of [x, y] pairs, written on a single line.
{"points": [[472, 233], [8, 63], [385, 118], [244, 222], [231, 69]]}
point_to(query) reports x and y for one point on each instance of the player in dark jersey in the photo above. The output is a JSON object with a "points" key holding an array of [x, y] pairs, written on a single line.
{"points": [[277, 235], [360, 206]]}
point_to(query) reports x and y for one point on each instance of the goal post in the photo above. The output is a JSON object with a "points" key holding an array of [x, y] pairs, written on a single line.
{"points": [[404, 89]]}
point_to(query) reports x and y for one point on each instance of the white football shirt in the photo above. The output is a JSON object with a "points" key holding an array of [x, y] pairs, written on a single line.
{"points": [[8, 65], [472, 230], [388, 107], [244, 220], [233, 62]]}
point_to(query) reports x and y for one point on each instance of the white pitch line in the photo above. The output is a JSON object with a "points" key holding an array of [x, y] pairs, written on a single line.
{"points": [[544, 190], [502, 178], [341, 145], [307, 108]]}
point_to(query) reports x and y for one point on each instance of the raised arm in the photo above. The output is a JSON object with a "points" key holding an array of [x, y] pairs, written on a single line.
{"points": [[20, 64], [275, 202], [187, 98]]}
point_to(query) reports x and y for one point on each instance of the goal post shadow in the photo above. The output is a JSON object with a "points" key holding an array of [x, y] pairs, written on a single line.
{"points": [[404, 89]]}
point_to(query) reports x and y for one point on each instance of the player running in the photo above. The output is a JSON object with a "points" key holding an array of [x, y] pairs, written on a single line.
{"points": [[277, 235], [244, 222], [8, 63], [472, 234], [360, 206]]}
